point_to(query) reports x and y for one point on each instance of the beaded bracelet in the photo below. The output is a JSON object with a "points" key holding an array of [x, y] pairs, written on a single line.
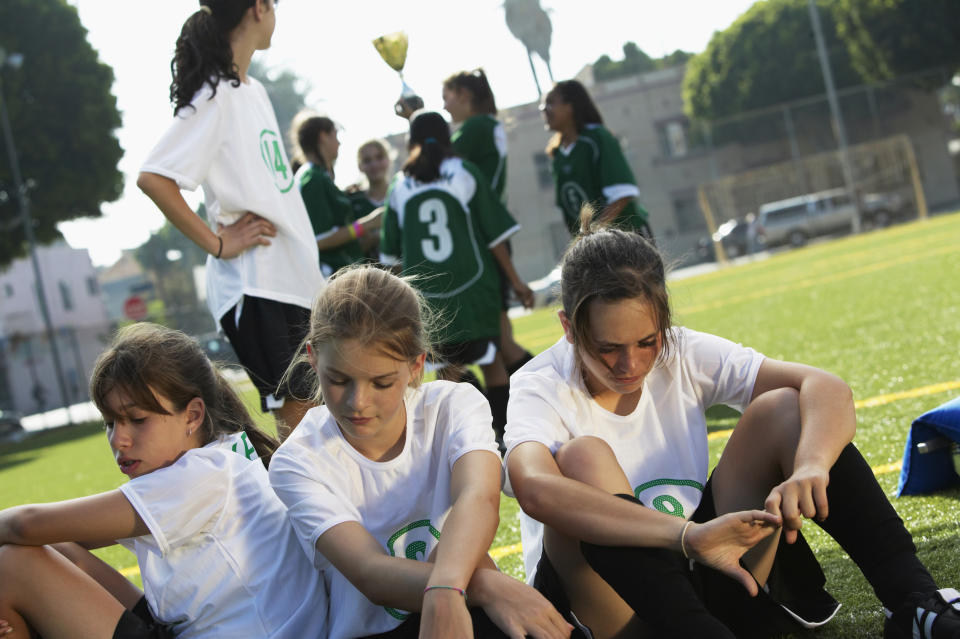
{"points": [[358, 229], [352, 230], [460, 590]]}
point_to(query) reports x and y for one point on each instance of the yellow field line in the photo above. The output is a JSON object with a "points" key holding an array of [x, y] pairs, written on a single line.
{"points": [[513, 549], [808, 283]]}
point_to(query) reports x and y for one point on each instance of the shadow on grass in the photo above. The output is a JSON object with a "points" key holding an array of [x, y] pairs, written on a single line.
{"points": [[45, 438], [721, 417]]}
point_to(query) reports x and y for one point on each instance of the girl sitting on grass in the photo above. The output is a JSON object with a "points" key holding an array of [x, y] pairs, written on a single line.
{"points": [[217, 554], [394, 487], [608, 457]]}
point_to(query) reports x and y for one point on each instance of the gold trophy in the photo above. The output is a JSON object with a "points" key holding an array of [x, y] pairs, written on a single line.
{"points": [[393, 49]]}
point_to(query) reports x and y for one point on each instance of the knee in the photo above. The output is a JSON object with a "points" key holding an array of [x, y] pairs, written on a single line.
{"points": [[777, 407], [18, 561], [591, 461]]}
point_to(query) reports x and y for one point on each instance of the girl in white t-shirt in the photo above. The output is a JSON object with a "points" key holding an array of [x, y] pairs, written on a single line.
{"points": [[607, 454], [217, 554], [392, 486], [263, 267]]}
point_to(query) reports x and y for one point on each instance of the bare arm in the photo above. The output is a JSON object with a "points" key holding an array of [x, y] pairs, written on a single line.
{"points": [[370, 223], [828, 423], [502, 256], [87, 520], [249, 231]]}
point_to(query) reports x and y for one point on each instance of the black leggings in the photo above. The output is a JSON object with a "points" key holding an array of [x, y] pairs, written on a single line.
{"points": [[483, 628], [663, 591]]}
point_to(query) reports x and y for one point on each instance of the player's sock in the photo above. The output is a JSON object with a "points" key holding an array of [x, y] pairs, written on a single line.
{"points": [[865, 524], [498, 396], [514, 366]]}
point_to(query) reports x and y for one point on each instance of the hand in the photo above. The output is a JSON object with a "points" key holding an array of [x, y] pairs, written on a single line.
{"points": [[444, 614], [371, 221], [524, 294], [517, 609], [5, 628], [249, 231], [802, 494], [721, 542]]}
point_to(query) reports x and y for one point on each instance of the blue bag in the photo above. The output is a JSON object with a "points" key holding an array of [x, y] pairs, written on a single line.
{"points": [[933, 470]]}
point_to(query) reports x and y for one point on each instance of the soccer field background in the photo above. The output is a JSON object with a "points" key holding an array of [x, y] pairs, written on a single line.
{"points": [[881, 310]]}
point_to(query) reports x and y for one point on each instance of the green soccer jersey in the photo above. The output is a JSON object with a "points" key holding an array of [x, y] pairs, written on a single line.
{"points": [[329, 209], [442, 232], [482, 140], [593, 170]]}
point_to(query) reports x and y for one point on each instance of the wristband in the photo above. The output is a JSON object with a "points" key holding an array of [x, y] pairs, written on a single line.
{"points": [[352, 230], [454, 588], [358, 229], [219, 250], [683, 535]]}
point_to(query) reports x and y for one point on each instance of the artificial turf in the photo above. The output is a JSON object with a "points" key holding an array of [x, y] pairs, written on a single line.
{"points": [[879, 309]]}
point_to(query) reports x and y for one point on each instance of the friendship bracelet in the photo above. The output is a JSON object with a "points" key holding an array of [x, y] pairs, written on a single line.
{"points": [[358, 230], [683, 536], [352, 230], [460, 590], [219, 250]]}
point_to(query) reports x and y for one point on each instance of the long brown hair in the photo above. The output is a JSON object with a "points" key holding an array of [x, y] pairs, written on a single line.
{"points": [[481, 95], [146, 360], [583, 107], [371, 305], [305, 135], [609, 264]]}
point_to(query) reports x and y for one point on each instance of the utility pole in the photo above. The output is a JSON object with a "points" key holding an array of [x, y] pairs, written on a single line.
{"points": [[835, 113], [15, 60]]}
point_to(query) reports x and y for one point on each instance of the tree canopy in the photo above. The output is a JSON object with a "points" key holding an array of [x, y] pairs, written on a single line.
{"points": [[767, 56], [63, 117], [889, 38], [635, 61]]}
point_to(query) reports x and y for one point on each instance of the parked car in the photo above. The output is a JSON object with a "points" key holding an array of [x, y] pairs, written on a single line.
{"points": [[795, 220], [10, 423], [735, 235]]}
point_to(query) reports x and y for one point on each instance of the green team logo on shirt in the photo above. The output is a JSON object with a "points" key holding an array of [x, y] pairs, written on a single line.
{"points": [[271, 150], [248, 450], [667, 503], [572, 197], [414, 540]]}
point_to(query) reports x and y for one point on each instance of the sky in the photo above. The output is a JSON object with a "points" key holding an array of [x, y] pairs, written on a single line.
{"points": [[329, 45]]}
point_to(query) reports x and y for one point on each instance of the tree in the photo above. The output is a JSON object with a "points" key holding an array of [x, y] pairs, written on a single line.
{"points": [[766, 57], [635, 61], [888, 38], [63, 116]]}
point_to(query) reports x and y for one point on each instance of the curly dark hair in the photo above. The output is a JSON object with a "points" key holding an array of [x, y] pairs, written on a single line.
{"points": [[203, 54]]}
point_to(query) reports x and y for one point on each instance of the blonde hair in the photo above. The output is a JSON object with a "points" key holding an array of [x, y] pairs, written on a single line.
{"points": [[374, 306]]}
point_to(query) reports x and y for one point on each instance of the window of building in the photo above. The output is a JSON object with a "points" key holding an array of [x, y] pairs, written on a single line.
{"points": [[544, 177], [93, 288], [686, 212], [66, 296], [673, 138], [8, 289]]}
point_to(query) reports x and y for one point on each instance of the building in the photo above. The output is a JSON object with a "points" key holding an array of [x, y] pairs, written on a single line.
{"points": [[28, 382]]}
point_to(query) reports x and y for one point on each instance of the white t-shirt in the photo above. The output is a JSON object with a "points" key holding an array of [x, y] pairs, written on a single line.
{"points": [[232, 146], [661, 446], [222, 559], [402, 502]]}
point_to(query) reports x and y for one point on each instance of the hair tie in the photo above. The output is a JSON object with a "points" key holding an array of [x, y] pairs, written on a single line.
{"points": [[430, 141], [206, 9]]}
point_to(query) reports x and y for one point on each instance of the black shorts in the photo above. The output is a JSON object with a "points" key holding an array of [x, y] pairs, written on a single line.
{"points": [[796, 582], [140, 624], [463, 353], [266, 340], [483, 628]]}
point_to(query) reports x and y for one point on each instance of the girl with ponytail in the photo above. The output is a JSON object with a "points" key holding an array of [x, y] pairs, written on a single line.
{"points": [[197, 512], [444, 225], [263, 265]]}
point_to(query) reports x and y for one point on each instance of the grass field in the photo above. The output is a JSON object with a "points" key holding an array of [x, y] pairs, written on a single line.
{"points": [[882, 310]]}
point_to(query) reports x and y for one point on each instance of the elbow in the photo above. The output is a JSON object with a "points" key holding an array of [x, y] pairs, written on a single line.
{"points": [[534, 500], [143, 182], [20, 525]]}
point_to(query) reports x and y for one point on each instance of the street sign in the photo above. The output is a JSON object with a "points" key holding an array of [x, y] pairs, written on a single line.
{"points": [[135, 308]]}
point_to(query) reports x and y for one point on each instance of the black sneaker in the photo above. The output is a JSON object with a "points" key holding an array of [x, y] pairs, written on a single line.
{"points": [[931, 616]]}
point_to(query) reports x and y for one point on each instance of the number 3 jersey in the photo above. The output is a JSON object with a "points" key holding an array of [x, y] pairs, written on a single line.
{"points": [[661, 445], [442, 232], [403, 502]]}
